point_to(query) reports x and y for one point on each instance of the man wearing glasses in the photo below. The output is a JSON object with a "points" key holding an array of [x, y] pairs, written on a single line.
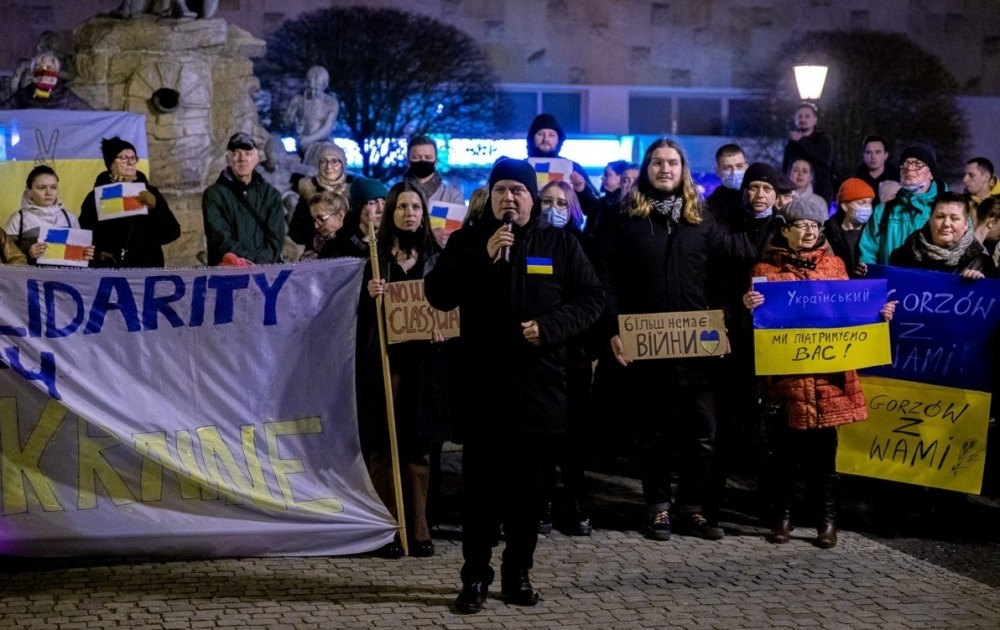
{"points": [[524, 289], [907, 212]]}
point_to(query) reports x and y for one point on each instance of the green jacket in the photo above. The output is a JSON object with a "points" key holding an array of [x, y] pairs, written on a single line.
{"points": [[245, 219], [892, 222]]}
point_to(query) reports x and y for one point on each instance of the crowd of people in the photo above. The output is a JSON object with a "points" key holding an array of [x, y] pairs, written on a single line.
{"points": [[540, 372]]}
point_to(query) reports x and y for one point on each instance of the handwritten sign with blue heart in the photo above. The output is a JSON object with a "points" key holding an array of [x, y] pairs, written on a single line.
{"points": [[673, 335]]}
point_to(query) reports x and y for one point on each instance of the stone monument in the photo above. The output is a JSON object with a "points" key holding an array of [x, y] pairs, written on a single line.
{"points": [[193, 79]]}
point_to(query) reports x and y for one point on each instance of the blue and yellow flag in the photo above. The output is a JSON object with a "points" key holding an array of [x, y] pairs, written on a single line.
{"points": [[69, 142], [540, 266]]}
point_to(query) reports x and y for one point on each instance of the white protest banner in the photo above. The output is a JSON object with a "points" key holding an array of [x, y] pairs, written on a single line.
{"points": [[183, 411]]}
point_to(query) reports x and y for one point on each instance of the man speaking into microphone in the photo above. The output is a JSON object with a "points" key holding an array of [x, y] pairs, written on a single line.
{"points": [[523, 288]]}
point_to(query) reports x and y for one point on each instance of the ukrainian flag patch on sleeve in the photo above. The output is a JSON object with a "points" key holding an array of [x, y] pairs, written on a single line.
{"points": [[540, 266]]}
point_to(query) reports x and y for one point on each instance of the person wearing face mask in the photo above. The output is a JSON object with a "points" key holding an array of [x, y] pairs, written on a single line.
{"points": [[894, 220], [561, 210], [421, 171], [843, 229], [739, 239], [133, 241], [730, 166], [45, 91]]}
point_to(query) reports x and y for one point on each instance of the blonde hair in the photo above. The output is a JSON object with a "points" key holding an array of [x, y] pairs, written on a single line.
{"points": [[640, 205]]}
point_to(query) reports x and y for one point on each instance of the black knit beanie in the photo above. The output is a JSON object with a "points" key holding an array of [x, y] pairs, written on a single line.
{"points": [[111, 147], [517, 170]]}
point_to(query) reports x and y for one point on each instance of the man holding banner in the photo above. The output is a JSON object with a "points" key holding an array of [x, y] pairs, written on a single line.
{"points": [[524, 289], [806, 408]]}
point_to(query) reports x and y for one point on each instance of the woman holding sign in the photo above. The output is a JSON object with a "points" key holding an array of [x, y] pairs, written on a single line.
{"points": [[40, 208], [129, 229], [947, 242], [405, 249], [808, 408]]}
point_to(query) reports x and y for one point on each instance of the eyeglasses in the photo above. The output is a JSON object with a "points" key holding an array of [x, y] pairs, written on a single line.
{"points": [[915, 165], [559, 203], [127, 159], [517, 191], [806, 226], [331, 162]]}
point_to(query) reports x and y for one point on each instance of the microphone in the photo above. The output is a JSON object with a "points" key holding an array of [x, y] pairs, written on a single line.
{"points": [[508, 218]]}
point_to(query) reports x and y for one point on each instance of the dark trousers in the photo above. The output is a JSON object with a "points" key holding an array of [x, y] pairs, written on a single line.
{"points": [[674, 422], [502, 478]]}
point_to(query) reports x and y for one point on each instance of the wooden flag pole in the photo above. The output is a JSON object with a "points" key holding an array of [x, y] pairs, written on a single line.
{"points": [[389, 406]]}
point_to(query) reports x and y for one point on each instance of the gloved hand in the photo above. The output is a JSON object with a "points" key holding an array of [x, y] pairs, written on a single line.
{"points": [[148, 199]]}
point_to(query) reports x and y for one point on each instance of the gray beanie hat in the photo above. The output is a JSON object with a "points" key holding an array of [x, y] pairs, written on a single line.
{"points": [[806, 208]]}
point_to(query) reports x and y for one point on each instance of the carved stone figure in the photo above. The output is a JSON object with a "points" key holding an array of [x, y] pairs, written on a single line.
{"points": [[167, 8], [313, 113]]}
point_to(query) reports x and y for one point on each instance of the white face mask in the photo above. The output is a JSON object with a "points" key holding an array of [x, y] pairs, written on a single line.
{"points": [[556, 217]]}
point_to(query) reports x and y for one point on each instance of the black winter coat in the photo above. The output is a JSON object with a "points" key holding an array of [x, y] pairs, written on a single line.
{"points": [[134, 241], [647, 268], [515, 386]]}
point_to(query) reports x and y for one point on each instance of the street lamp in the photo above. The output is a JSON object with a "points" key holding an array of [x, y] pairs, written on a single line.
{"points": [[810, 80]]}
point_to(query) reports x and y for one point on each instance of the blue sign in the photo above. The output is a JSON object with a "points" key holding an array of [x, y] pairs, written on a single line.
{"points": [[819, 303], [945, 329]]}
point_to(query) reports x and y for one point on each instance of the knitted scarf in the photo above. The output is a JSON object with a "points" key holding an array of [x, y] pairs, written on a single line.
{"points": [[429, 187], [924, 249]]}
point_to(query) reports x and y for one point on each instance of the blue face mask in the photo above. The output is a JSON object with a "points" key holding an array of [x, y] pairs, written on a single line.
{"points": [[733, 180], [862, 214], [764, 213], [556, 217]]}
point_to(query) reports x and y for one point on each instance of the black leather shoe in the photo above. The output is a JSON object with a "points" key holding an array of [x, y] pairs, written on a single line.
{"points": [[472, 597], [545, 518], [577, 522], [517, 589], [390, 551], [422, 549]]}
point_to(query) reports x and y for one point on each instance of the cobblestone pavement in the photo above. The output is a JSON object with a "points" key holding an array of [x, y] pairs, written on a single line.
{"points": [[942, 572]]}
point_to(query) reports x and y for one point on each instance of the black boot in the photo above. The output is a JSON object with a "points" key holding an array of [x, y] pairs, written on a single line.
{"points": [[577, 522], [826, 530], [781, 510]]}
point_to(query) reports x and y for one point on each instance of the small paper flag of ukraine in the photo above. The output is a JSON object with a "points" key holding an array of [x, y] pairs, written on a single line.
{"points": [[551, 170], [116, 201], [448, 216], [64, 246], [540, 266]]}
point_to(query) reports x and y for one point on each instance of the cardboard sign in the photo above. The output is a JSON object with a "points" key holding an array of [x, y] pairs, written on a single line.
{"points": [[551, 170], [409, 316], [65, 246], [118, 201], [673, 335], [918, 433]]}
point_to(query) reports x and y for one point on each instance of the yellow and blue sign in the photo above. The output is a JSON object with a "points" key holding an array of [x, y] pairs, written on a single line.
{"points": [[819, 326]]}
